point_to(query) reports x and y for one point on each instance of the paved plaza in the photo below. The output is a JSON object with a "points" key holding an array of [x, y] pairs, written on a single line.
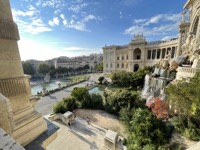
{"points": [[80, 136]]}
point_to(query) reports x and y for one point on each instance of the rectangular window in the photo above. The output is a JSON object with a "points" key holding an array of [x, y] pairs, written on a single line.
{"points": [[149, 54]]}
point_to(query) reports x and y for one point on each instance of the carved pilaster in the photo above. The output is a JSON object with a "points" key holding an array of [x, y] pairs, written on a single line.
{"points": [[8, 30]]}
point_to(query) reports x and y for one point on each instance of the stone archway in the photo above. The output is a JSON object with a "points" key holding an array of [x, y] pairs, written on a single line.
{"points": [[135, 67], [137, 54]]}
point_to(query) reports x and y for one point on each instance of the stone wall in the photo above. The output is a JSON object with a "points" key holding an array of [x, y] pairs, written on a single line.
{"points": [[6, 119]]}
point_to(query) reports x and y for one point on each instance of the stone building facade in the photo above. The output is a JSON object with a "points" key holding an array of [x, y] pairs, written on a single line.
{"points": [[137, 54]]}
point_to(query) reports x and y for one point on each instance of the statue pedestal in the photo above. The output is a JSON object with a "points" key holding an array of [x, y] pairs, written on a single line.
{"points": [[196, 63]]}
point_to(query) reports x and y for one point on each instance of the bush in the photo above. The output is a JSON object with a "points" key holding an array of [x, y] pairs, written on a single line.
{"points": [[145, 131], [100, 79], [67, 104], [60, 107], [96, 101], [79, 93], [189, 129], [121, 99]]}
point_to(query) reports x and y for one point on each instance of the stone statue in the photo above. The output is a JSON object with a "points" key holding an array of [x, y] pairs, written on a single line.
{"points": [[168, 56], [173, 65], [187, 45]]}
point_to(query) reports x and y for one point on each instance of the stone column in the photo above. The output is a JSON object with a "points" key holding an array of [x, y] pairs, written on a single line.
{"points": [[23, 122]]}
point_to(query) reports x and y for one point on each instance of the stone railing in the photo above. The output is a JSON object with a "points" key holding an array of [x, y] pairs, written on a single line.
{"points": [[8, 30], [186, 72], [15, 86]]}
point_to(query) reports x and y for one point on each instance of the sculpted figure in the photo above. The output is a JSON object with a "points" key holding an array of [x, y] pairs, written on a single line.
{"points": [[186, 46]]}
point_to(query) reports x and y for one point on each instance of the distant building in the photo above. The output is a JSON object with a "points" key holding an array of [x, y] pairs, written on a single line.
{"points": [[137, 54], [67, 63]]}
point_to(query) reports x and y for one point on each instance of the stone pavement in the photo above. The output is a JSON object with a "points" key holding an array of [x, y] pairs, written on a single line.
{"points": [[80, 136]]}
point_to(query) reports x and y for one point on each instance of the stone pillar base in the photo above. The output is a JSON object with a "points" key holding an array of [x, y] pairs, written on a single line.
{"points": [[29, 124]]}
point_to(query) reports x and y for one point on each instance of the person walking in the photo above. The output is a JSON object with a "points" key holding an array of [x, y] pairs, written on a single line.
{"points": [[88, 120]]}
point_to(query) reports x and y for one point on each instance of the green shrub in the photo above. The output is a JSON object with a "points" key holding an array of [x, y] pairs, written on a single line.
{"points": [[96, 101], [100, 79], [60, 107]]}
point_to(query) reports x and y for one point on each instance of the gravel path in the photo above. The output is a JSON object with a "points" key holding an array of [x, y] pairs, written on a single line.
{"points": [[103, 119]]}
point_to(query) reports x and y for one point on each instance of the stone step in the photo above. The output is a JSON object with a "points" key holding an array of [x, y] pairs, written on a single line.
{"points": [[20, 114], [26, 119], [29, 131]]}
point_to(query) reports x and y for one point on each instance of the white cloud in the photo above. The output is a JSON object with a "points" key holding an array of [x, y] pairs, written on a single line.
{"points": [[120, 15], [54, 21], [65, 22], [154, 19], [157, 25], [167, 38], [78, 26], [35, 26], [90, 17], [50, 3], [28, 13], [72, 21], [137, 21], [129, 2], [78, 7], [62, 16]]}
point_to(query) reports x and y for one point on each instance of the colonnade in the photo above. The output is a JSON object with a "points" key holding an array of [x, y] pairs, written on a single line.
{"points": [[161, 53]]}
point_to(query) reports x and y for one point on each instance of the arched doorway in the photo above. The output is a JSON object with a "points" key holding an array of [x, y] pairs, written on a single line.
{"points": [[135, 68], [137, 54]]}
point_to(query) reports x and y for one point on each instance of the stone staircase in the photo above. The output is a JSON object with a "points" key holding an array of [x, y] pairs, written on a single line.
{"points": [[28, 125]]}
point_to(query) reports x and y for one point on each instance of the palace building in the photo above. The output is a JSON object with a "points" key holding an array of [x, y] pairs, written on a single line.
{"points": [[137, 54], [140, 53]]}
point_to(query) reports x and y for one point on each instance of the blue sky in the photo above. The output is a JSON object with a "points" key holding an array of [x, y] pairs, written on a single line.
{"points": [[53, 28]]}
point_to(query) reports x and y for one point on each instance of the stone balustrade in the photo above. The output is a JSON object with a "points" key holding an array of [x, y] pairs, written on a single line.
{"points": [[8, 30], [15, 86], [185, 72]]}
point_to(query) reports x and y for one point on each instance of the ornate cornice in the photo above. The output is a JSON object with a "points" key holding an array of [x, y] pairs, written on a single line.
{"points": [[188, 3], [8, 30]]}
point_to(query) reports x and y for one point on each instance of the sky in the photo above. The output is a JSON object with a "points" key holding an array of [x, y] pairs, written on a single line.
{"points": [[53, 28]]}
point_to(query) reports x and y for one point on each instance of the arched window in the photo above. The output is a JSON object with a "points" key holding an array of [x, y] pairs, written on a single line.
{"points": [[122, 57], [136, 67], [149, 54], [173, 52], [137, 54], [163, 52], [106, 65], [117, 65], [126, 65], [154, 54], [158, 54], [111, 65]]}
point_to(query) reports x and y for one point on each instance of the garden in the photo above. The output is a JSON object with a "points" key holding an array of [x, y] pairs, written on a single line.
{"points": [[149, 126]]}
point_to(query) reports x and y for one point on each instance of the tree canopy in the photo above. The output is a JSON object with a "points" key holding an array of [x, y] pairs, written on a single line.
{"points": [[28, 68], [43, 68]]}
